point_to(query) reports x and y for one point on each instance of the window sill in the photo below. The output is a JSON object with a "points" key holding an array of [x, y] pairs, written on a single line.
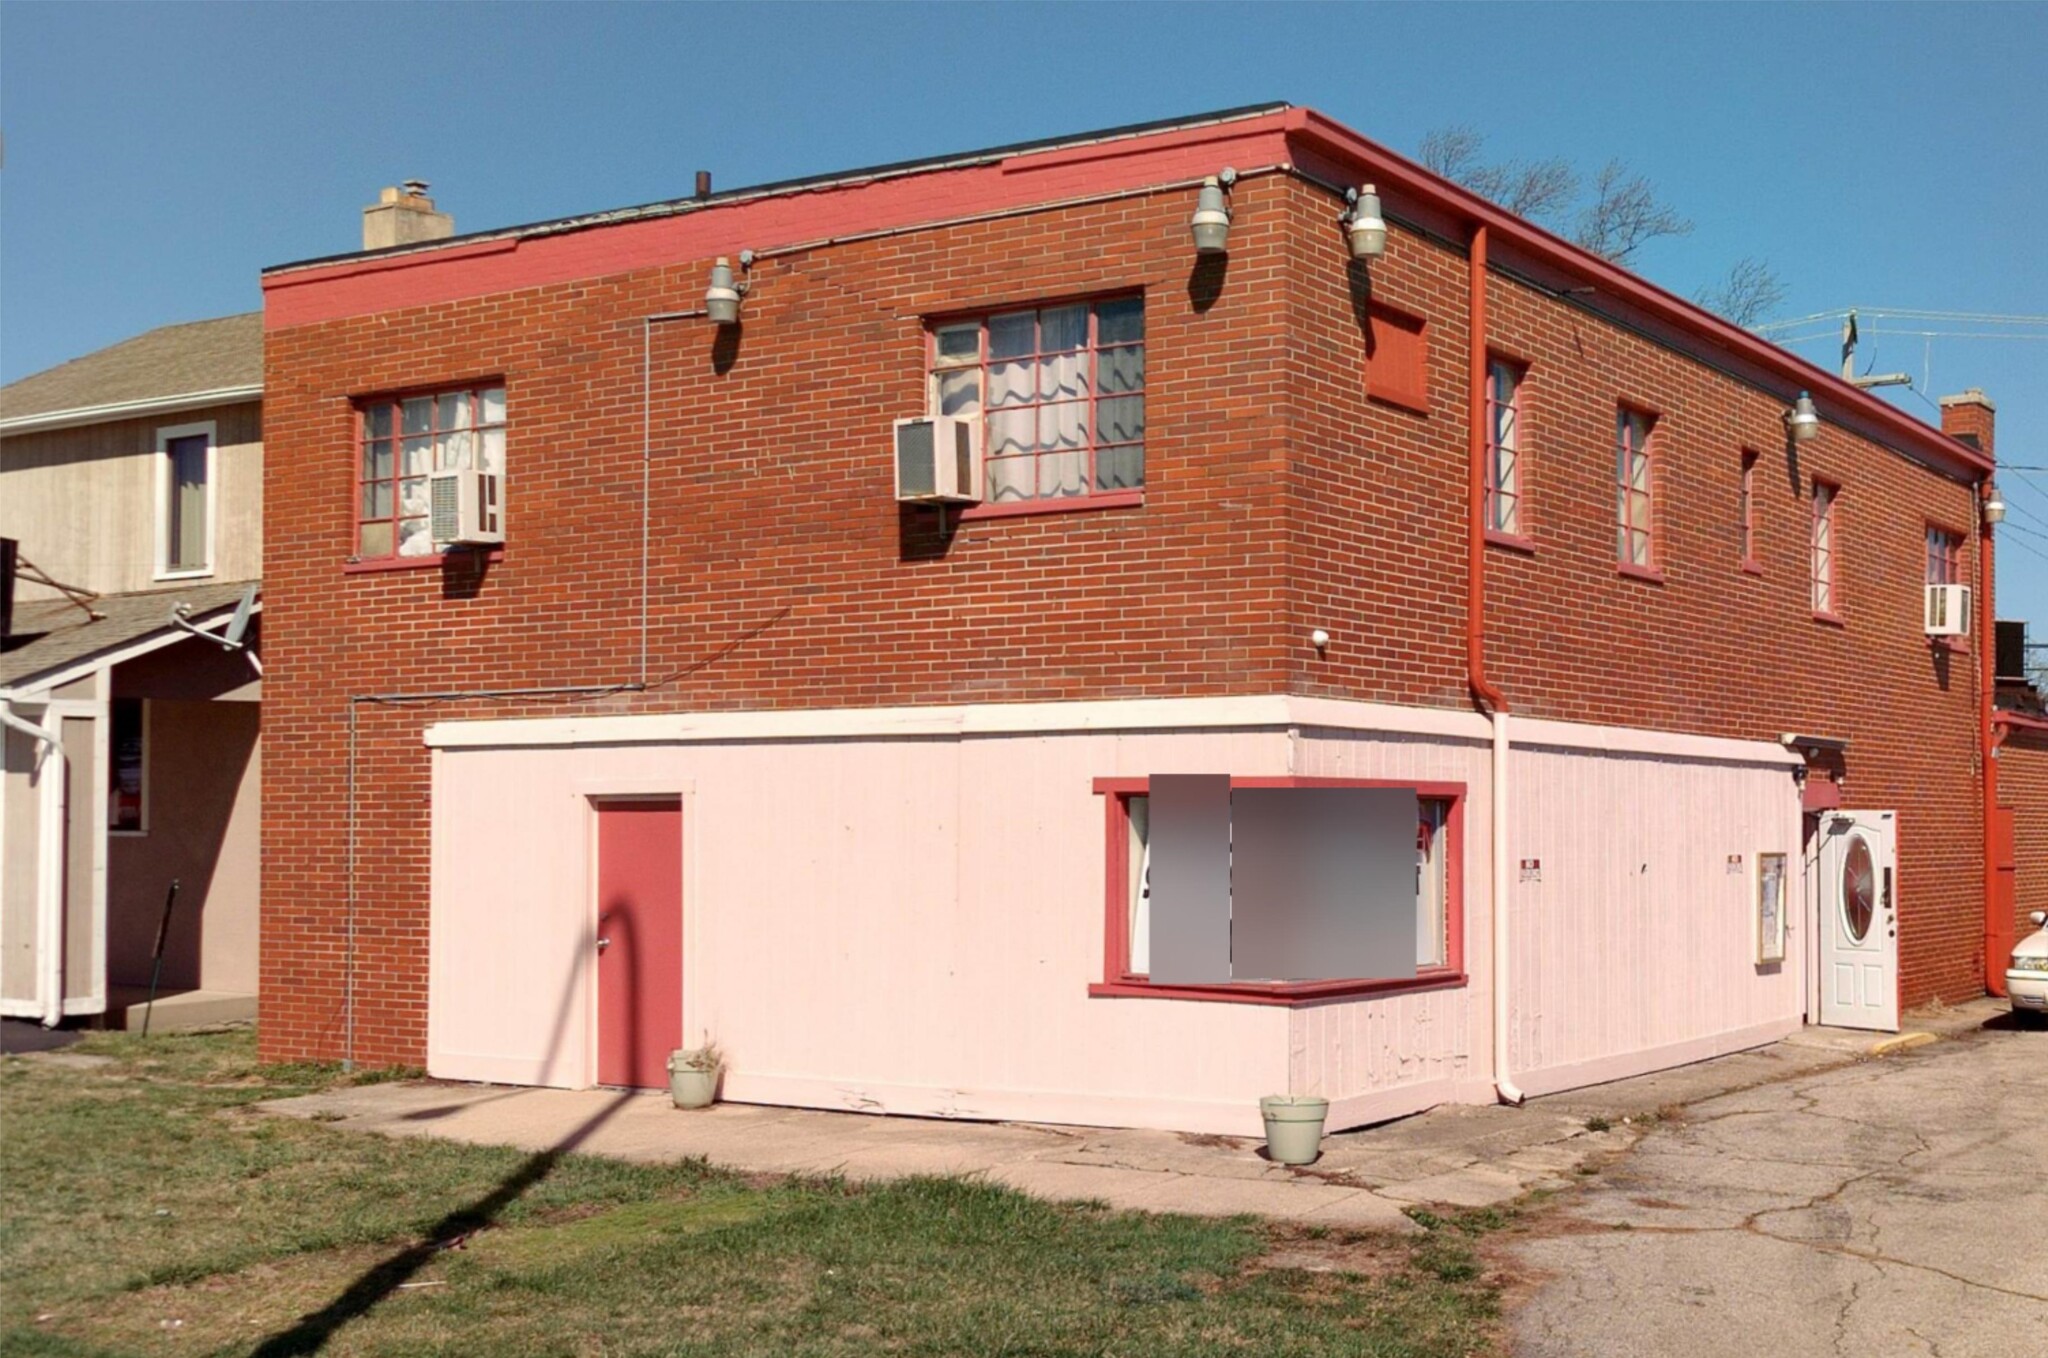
{"points": [[1645, 573], [1513, 542], [1953, 645], [1752, 568], [1831, 619], [1297, 994], [201, 573], [412, 563], [127, 834], [1070, 504]]}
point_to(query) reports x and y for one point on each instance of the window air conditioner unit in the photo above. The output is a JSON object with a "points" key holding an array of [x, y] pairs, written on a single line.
{"points": [[1948, 610], [938, 461], [467, 508]]}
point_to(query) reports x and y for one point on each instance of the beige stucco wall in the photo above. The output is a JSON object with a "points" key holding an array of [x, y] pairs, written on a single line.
{"points": [[82, 501], [205, 782]]}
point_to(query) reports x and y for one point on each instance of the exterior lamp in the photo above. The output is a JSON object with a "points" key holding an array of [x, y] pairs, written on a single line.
{"points": [[722, 298], [1803, 420], [1994, 504], [1211, 222], [1363, 225]]}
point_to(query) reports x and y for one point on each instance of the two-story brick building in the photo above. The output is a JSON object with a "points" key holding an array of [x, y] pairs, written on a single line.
{"points": [[726, 741]]}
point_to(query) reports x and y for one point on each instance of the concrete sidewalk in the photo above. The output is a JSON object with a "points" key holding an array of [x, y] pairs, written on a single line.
{"points": [[1457, 1155]]}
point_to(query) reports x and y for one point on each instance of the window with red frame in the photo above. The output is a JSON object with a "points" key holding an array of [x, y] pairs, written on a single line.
{"points": [[401, 440], [1746, 510], [1633, 507], [1130, 839], [1825, 597], [1059, 392], [1504, 447], [1944, 557]]}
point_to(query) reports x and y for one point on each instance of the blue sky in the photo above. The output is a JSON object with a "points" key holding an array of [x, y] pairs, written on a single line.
{"points": [[1882, 155]]}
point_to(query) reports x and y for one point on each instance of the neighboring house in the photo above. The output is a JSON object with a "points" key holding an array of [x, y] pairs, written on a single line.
{"points": [[726, 740], [132, 477], [2020, 733]]}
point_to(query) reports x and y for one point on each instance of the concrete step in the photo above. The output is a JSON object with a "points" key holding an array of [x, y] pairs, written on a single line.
{"points": [[177, 1010]]}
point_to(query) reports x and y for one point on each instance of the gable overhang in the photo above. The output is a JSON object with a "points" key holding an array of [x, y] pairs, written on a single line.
{"points": [[140, 408]]}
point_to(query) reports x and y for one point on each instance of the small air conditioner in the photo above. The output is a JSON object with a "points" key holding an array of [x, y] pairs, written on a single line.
{"points": [[1948, 610], [938, 461], [467, 508]]}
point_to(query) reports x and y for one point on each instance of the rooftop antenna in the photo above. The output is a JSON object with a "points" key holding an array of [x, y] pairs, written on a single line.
{"points": [[1867, 381]]}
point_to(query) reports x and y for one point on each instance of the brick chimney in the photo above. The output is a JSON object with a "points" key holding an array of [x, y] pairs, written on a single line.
{"points": [[1969, 417], [404, 216]]}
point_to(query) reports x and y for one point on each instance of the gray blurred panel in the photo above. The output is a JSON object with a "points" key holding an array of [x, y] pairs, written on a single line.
{"points": [[1191, 878], [1322, 883]]}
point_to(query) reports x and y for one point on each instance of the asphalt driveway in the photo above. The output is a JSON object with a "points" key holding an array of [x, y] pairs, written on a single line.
{"points": [[1891, 1207]]}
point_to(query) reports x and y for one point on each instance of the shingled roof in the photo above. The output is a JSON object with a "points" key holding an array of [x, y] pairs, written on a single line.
{"points": [[222, 358], [51, 634]]}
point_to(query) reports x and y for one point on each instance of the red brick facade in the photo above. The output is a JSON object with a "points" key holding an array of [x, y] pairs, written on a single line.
{"points": [[1279, 498]]}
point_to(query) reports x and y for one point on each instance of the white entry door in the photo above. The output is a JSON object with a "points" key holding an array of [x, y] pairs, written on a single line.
{"points": [[1859, 920]]}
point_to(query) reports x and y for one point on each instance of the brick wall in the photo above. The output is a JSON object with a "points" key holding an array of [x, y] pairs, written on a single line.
{"points": [[2023, 786], [1279, 499]]}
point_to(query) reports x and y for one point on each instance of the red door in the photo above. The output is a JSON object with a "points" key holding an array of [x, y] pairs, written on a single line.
{"points": [[639, 940]]}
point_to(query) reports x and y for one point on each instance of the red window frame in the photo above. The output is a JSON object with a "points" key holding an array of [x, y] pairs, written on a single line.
{"points": [[1826, 557], [1627, 452], [1093, 497], [1505, 523], [1119, 982], [395, 437], [1944, 556], [1746, 512]]}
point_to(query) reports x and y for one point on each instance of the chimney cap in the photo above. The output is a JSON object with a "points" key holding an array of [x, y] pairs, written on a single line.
{"points": [[415, 188], [1972, 396]]}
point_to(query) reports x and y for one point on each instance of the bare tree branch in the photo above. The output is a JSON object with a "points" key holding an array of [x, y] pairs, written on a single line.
{"points": [[1452, 152], [1750, 292], [1625, 214]]}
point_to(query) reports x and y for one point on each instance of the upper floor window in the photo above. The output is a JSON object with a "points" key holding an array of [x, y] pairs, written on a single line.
{"points": [[1634, 512], [1825, 595], [402, 439], [184, 500], [1746, 512], [1944, 557], [1503, 447], [1059, 391]]}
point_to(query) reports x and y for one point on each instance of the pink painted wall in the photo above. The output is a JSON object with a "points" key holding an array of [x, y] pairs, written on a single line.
{"points": [[1636, 949], [911, 925]]}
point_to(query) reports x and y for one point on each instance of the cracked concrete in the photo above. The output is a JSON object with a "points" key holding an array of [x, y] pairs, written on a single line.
{"points": [[1891, 1207]]}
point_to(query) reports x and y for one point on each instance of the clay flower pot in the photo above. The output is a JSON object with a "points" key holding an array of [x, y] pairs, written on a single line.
{"points": [[1294, 1127]]}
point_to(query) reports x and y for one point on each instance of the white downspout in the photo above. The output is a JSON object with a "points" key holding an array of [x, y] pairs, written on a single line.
{"points": [[1502, 1082], [49, 873]]}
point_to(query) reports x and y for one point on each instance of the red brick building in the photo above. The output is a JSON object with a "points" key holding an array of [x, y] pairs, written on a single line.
{"points": [[1239, 509]]}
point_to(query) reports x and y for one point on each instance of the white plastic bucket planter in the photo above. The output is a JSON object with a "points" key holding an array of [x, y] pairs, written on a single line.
{"points": [[692, 1081], [1294, 1127]]}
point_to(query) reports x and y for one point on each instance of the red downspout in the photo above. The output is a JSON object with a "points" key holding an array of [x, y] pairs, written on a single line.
{"points": [[1998, 925], [1490, 697]]}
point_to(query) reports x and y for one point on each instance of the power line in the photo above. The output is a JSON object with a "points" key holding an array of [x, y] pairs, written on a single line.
{"points": [[1904, 314]]}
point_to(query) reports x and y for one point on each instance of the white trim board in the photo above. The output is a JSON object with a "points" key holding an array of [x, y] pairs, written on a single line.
{"points": [[129, 410], [1275, 711]]}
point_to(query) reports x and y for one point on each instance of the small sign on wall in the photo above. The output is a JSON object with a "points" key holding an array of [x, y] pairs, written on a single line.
{"points": [[1770, 908], [1734, 863], [1532, 869]]}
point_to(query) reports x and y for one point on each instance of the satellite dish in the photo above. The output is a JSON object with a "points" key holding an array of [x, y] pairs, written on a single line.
{"points": [[238, 626]]}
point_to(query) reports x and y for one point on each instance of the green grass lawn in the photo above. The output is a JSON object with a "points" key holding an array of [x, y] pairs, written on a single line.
{"points": [[146, 1206]]}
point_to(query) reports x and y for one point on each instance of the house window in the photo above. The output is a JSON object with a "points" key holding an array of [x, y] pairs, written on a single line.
{"points": [[1944, 557], [1633, 487], [1503, 448], [1438, 908], [1059, 392], [127, 767], [184, 500], [1746, 512], [403, 438], [1824, 593]]}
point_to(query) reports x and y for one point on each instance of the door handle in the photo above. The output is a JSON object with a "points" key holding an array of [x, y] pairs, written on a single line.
{"points": [[603, 943]]}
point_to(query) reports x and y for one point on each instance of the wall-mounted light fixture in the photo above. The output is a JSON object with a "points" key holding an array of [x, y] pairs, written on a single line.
{"points": [[1363, 225], [1211, 222], [1802, 419], [1319, 639], [1994, 505], [722, 298]]}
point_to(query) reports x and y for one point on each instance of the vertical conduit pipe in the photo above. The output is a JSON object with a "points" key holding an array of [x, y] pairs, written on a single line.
{"points": [[1491, 700], [1999, 929]]}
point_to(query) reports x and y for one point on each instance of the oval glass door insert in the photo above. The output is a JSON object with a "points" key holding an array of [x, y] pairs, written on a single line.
{"points": [[1859, 888]]}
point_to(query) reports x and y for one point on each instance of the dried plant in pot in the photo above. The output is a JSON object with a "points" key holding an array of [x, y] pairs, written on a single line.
{"points": [[693, 1075]]}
